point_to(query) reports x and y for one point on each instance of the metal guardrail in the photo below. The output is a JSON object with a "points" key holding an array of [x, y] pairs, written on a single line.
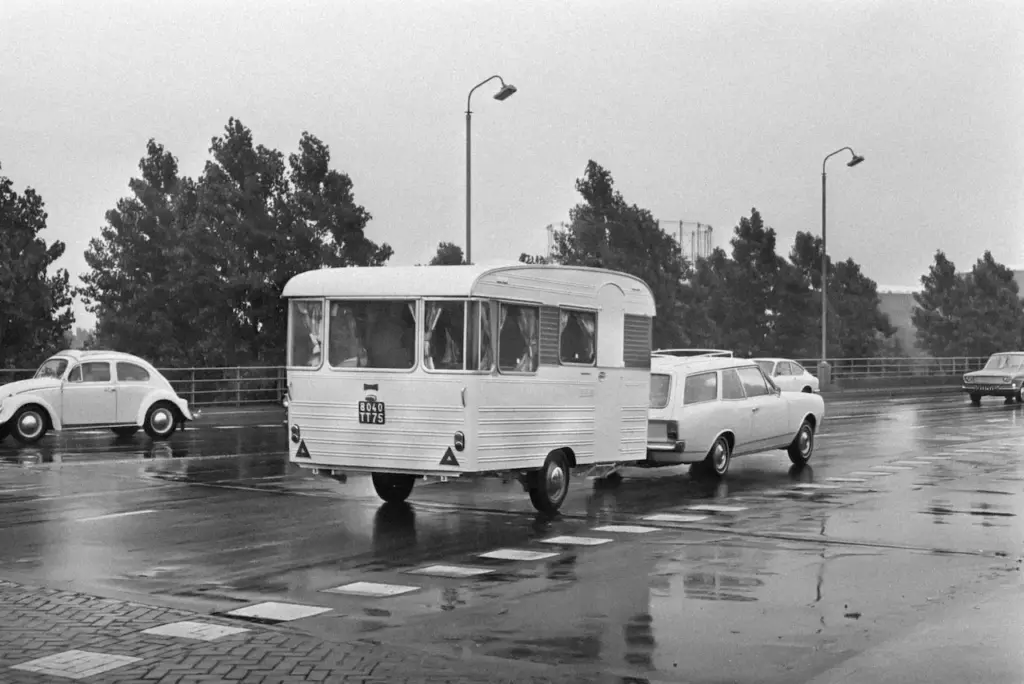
{"points": [[237, 385], [895, 368]]}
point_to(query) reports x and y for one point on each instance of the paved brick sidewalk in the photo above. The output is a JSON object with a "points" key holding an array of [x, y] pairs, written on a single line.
{"points": [[37, 622]]}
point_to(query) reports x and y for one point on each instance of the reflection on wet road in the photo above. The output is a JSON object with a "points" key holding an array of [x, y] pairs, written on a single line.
{"points": [[771, 575]]}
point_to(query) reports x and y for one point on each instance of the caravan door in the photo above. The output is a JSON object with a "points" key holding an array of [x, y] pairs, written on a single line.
{"points": [[610, 365]]}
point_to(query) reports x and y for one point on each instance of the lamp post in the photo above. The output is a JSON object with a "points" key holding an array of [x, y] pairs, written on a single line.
{"points": [[507, 90], [823, 365]]}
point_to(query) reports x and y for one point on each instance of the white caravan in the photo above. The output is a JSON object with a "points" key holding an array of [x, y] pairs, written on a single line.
{"points": [[451, 371]]}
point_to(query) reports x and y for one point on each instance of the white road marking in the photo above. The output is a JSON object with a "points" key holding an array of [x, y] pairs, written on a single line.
{"points": [[451, 571], [716, 508], [372, 589], [628, 529], [76, 664], [872, 473], [934, 458], [811, 485], [282, 612], [845, 479], [582, 541], [675, 517], [517, 554], [232, 427], [200, 631], [890, 467], [117, 515], [907, 463]]}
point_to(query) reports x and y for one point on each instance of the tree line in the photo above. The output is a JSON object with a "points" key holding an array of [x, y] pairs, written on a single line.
{"points": [[189, 271]]}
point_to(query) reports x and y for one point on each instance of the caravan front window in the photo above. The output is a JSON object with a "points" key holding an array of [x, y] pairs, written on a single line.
{"points": [[307, 333], [517, 338], [372, 334]]}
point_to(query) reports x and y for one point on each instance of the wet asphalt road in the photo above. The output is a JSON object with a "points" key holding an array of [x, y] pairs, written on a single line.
{"points": [[910, 506]]}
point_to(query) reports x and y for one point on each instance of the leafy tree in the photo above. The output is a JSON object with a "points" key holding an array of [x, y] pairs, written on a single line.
{"points": [[857, 328], [940, 309], [448, 254], [994, 319], [191, 272], [606, 232], [35, 308]]}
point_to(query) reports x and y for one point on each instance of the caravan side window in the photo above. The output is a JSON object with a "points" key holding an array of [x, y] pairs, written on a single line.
{"points": [[306, 339], [518, 337], [372, 334], [577, 337], [443, 335], [479, 345]]}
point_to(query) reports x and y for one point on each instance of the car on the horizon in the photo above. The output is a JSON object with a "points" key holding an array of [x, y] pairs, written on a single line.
{"points": [[789, 375], [79, 390], [705, 411], [1002, 376]]}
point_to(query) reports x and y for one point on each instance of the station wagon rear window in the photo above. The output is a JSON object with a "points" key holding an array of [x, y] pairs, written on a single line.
{"points": [[372, 334], [660, 386]]}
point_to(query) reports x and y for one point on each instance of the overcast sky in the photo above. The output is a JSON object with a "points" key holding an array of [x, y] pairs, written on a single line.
{"points": [[701, 110]]}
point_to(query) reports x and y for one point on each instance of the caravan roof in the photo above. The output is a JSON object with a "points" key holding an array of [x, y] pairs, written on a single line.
{"points": [[464, 281]]}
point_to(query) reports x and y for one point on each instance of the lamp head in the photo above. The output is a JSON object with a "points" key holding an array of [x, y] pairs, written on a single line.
{"points": [[857, 159], [506, 92]]}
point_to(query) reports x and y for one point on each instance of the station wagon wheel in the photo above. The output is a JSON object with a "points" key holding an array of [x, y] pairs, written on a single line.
{"points": [[550, 485], [976, 400], [802, 447], [719, 457], [126, 431], [160, 421], [29, 425], [392, 487]]}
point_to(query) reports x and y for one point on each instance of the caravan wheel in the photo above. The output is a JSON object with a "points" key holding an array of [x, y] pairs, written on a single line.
{"points": [[550, 485]]}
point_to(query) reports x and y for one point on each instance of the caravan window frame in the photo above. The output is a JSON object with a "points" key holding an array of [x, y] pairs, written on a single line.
{"points": [[292, 320], [417, 341], [511, 301], [467, 310], [597, 331]]}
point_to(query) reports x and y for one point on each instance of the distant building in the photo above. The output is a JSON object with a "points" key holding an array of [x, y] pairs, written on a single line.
{"points": [[898, 303]]}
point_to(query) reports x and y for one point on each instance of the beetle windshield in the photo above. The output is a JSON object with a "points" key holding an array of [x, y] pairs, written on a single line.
{"points": [[52, 368], [1006, 362]]}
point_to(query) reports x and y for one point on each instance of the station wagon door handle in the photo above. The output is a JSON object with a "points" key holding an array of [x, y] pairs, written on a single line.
{"points": [[755, 409], [110, 389]]}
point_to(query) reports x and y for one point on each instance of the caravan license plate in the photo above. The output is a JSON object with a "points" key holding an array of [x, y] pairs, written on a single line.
{"points": [[371, 412]]}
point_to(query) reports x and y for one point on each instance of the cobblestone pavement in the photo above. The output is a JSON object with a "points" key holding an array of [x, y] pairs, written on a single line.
{"points": [[37, 622]]}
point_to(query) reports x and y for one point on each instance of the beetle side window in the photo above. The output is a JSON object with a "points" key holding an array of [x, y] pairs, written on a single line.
{"points": [[732, 388], [96, 371], [129, 372], [700, 388], [753, 381], [75, 375]]}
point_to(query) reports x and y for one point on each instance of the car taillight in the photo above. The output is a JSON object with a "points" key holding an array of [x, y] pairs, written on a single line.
{"points": [[672, 430]]}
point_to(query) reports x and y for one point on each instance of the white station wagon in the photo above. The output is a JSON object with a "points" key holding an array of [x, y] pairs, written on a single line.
{"points": [[707, 410], [76, 390], [789, 375]]}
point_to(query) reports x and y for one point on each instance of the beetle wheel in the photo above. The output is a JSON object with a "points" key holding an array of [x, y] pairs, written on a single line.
{"points": [[160, 421], [29, 424]]}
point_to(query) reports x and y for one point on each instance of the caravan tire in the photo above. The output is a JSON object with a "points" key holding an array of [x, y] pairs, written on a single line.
{"points": [[550, 485]]}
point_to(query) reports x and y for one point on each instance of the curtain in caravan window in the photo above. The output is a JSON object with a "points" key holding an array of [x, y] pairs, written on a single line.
{"points": [[308, 333], [429, 325], [528, 327]]}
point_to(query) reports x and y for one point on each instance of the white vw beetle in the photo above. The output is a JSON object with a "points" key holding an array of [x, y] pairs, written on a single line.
{"points": [[76, 390], [708, 409]]}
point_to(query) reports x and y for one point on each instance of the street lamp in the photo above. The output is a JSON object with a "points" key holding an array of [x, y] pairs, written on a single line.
{"points": [[507, 90], [856, 159]]}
